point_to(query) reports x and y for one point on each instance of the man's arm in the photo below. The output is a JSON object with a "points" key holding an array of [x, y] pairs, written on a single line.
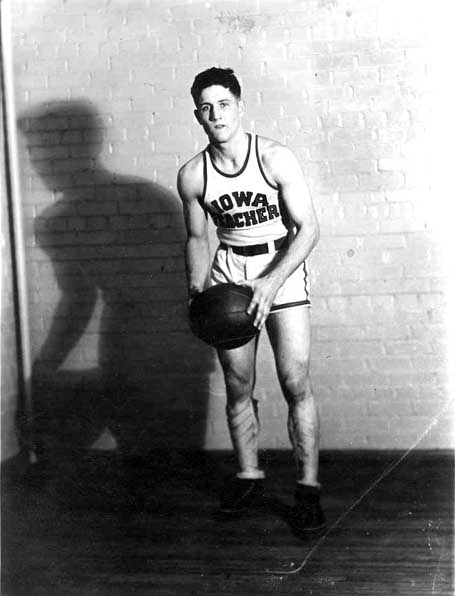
{"points": [[282, 166], [197, 255]]}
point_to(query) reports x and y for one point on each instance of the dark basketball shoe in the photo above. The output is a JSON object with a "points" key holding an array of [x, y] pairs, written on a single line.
{"points": [[242, 495], [307, 517]]}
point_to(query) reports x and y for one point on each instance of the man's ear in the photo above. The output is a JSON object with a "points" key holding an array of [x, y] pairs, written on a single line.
{"points": [[197, 116], [241, 107]]}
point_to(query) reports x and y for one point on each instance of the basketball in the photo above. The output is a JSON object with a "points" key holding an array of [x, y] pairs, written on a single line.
{"points": [[218, 316]]}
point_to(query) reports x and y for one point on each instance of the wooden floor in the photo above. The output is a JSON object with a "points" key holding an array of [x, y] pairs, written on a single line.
{"points": [[96, 525]]}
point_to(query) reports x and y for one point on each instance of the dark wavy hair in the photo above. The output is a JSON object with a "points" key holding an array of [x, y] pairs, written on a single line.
{"points": [[215, 76]]}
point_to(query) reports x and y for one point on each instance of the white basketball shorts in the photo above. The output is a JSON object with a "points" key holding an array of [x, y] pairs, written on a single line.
{"points": [[227, 266]]}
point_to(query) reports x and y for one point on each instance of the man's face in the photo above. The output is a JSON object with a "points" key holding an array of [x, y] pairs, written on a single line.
{"points": [[219, 112]]}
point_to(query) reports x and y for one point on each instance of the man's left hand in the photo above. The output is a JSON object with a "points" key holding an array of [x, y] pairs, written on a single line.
{"points": [[264, 291]]}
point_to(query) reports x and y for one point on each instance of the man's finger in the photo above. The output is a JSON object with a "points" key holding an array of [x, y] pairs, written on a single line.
{"points": [[254, 303], [261, 315], [251, 307]]}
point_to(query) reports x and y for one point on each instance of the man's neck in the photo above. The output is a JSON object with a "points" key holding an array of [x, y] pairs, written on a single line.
{"points": [[231, 155]]}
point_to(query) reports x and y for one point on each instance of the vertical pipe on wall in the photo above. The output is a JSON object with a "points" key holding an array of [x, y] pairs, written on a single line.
{"points": [[13, 193]]}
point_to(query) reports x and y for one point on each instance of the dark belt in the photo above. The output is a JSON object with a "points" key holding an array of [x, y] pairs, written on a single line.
{"points": [[252, 250]]}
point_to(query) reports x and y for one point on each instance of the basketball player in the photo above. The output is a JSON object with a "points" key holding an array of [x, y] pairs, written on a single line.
{"points": [[254, 190]]}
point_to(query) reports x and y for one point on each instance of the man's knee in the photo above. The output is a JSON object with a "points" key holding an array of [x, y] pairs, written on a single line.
{"points": [[239, 383], [295, 383]]}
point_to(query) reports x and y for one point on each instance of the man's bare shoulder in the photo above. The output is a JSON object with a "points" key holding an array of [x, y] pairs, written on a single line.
{"points": [[270, 148], [276, 158], [191, 175]]}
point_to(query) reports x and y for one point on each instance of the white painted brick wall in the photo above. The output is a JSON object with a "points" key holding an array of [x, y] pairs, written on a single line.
{"points": [[346, 86]]}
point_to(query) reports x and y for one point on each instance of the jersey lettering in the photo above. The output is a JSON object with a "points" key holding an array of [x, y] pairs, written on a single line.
{"points": [[262, 217], [242, 198], [226, 202], [260, 199], [247, 218], [261, 213], [245, 207], [250, 218]]}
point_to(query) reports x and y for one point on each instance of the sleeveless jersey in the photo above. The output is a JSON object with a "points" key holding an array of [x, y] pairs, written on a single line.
{"points": [[245, 206]]}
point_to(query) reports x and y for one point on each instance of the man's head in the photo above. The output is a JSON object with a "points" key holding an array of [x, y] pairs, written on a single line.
{"points": [[224, 77], [219, 107]]}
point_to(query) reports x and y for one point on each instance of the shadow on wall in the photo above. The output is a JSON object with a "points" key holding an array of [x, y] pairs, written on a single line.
{"points": [[115, 243]]}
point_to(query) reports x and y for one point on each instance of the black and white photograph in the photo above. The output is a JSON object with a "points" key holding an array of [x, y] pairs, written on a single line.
{"points": [[228, 321]]}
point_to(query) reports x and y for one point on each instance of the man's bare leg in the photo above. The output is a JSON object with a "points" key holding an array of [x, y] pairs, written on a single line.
{"points": [[290, 336], [241, 409]]}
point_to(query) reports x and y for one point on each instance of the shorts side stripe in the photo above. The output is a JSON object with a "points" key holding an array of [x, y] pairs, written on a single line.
{"points": [[289, 305], [305, 279]]}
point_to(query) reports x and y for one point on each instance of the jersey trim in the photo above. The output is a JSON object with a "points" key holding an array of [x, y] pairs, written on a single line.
{"points": [[204, 190], [261, 169], [242, 169]]}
